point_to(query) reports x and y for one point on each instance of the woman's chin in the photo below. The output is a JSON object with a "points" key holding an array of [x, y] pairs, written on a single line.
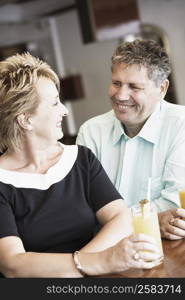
{"points": [[60, 136]]}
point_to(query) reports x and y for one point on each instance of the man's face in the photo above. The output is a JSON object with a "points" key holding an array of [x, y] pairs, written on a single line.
{"points": [[133, 95]]}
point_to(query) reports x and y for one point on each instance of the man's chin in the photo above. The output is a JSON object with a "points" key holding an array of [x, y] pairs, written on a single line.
{"points": [[121, 115]]}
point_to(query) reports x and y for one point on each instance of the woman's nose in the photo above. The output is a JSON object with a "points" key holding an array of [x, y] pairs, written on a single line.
{"points": [[65, 111]]}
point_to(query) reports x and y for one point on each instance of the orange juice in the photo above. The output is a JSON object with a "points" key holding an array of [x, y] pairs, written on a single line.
{"points": [[149, 226], [145, 220], [182, 198]]}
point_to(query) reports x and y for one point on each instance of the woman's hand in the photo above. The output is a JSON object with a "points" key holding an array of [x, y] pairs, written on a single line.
{"points": [[135, 251], [172, 225]]}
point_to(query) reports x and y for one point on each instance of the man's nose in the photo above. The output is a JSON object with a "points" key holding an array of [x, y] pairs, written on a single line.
{"points": [[123, 93]]}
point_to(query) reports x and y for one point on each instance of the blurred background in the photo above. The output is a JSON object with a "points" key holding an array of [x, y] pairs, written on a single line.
{"points": [[77, 38]]}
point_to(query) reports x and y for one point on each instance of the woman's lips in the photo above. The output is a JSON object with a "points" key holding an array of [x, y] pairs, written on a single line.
{"points": [[59, 124]]}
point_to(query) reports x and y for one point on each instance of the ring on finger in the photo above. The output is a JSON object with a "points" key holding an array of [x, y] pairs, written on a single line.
{"points": [[136, 256]]}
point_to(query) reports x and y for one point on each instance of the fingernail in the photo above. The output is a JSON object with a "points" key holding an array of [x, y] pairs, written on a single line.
{"points": [[180, 210]]}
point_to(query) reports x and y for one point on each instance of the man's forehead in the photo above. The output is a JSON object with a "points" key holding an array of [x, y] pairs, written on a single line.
{"points": [[136, 72], [124, 66]]}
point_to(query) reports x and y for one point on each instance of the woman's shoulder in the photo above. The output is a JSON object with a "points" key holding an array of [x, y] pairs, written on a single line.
{"points": [[80, 150], [81, 155], [87, 160], [85, 153]]}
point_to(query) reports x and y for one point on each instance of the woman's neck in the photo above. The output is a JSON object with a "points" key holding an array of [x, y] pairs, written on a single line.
{"points": [[37, 159]]}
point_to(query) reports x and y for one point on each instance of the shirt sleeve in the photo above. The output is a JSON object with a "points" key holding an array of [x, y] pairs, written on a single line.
{"points": [[86, 138], [101, 189], [174, 171], [7, 220]]}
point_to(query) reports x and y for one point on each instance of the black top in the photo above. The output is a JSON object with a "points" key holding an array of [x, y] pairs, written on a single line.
{"points": [[55, 212]]}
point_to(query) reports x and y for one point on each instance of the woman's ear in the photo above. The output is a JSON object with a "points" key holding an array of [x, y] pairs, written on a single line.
{"points": [[24, 122], [164, 87]]}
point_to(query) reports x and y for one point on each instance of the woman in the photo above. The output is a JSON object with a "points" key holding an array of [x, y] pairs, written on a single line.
{"points": [[51, 195]]}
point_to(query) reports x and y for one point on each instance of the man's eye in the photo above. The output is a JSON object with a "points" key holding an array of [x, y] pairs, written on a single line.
{"points": [[137, 88], [116, 83]]}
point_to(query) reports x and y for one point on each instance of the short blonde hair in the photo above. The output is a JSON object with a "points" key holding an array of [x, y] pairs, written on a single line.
{"points": [[18, 95]]}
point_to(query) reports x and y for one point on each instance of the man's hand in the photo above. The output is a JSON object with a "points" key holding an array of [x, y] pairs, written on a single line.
{"points": [[172, 224]]}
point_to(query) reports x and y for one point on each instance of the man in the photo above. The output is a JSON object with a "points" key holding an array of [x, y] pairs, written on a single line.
{"points": [[143, 136]]}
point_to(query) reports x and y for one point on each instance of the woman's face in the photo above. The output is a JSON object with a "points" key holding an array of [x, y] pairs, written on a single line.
{"points": [[47, 120]]}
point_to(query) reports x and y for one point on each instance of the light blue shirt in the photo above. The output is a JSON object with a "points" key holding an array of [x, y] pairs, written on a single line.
{"points": [[158, 151]]}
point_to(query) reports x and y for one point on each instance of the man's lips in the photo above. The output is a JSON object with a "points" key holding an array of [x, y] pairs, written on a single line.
{"points": [[123, 106], [125, 103]]}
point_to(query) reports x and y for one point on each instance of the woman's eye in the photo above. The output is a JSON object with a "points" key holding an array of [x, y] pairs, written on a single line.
{"points": [[56, 103]]}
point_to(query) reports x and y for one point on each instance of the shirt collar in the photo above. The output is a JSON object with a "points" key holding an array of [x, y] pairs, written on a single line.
{"points": [[118, 130], [150, 130]]}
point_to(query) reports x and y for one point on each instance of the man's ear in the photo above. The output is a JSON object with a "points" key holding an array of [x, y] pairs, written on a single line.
{"points": [[24, 122], [164, 87]]}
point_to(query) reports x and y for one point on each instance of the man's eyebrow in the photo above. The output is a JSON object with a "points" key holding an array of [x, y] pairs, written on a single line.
{"points": [[138, 83]]}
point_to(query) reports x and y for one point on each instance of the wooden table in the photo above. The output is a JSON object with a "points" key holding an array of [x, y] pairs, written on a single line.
{"points": [[173, 265]]}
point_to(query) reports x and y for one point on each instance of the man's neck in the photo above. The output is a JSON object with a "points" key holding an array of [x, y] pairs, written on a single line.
{"points": [[132, 130]]}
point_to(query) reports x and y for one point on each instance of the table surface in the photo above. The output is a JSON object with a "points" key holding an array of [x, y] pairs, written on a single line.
{"points": [[173, 265]]}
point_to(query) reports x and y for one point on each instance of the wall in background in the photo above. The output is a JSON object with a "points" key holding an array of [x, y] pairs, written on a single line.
{"points": [[92, 61], [170, 16]]}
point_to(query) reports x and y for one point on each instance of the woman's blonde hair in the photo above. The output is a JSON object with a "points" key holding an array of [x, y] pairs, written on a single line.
{"points": [[18, 95]]}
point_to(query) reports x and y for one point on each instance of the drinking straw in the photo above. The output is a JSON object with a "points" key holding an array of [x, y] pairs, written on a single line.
{"points": [[145, 203], [149, 189]]}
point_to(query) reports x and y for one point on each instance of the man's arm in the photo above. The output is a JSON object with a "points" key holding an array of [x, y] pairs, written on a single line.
{"points": [[173, 175]]}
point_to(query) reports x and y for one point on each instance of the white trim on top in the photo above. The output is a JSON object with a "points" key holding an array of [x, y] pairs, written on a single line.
{"points": [[43, 181]]}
